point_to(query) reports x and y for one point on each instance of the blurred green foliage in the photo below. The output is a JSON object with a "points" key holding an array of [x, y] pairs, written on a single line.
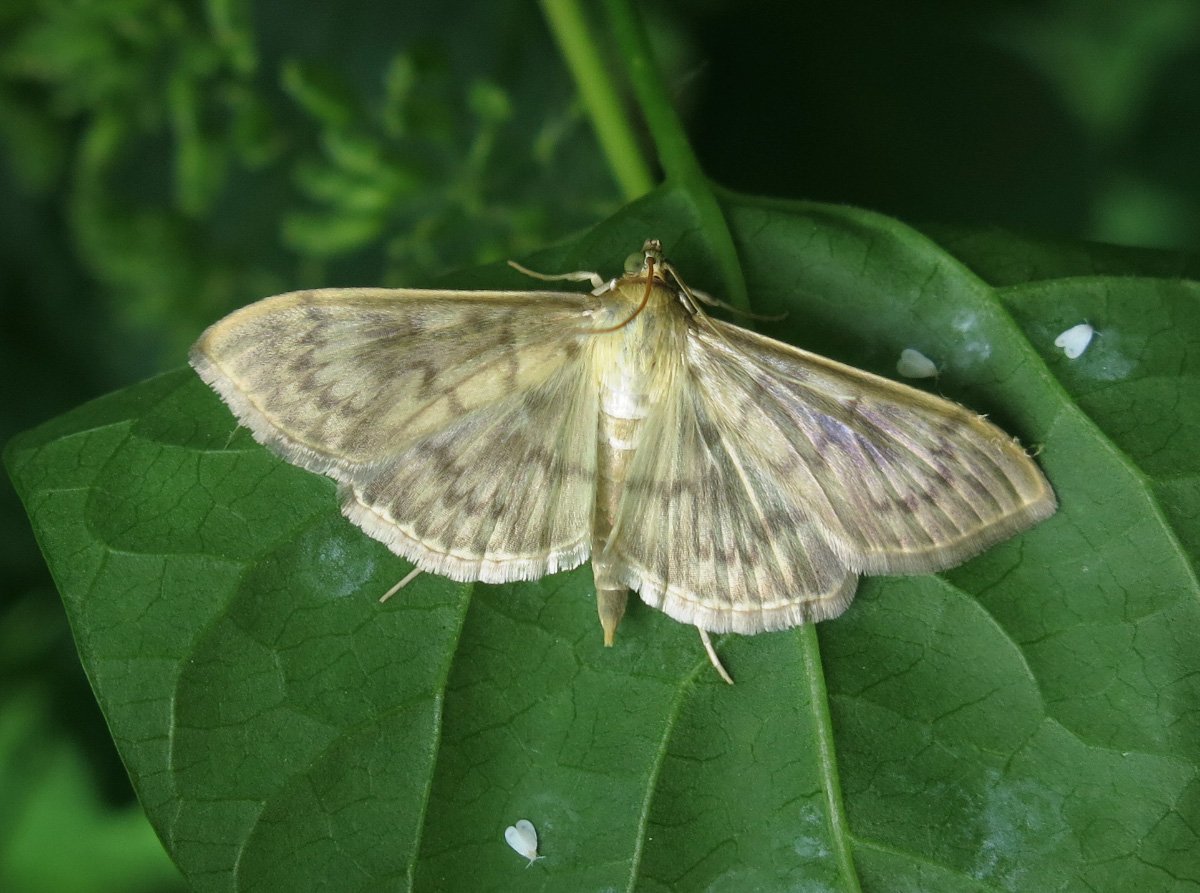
{"points": [[200, 161], [166, 161], [1068, 117]]}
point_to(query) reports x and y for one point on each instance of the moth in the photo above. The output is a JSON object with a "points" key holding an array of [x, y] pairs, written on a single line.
{"points": [[734, 482]]}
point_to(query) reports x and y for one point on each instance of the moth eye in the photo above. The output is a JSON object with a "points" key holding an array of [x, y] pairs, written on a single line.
{"points": [[634, 262]]}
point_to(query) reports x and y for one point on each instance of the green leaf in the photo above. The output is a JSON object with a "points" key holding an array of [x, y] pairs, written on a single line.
{"points": [[1028, 721]]}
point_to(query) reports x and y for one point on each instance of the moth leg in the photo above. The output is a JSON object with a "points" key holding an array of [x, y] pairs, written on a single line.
{"points": [[712, 655], [577, 276], [408, 578]]}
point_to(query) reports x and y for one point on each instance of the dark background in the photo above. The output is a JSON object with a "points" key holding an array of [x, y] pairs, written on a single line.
{"points": [[165, 162]]}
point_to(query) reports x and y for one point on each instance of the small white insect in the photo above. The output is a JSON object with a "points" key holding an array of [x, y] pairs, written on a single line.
{"points": [[522, 837], [1075, 340], [914, 364]]}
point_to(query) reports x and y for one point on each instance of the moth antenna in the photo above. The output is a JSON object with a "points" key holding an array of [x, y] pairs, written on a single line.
{"points": [[576, 276], [640, 307], [747, 314], [712, 327], [717, 302], [696, 297]]}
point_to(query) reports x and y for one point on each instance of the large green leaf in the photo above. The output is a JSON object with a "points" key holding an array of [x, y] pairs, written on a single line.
{"points": [[1029, 721]]}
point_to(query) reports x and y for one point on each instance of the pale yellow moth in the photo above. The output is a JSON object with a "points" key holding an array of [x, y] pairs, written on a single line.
{"points": [[734, 482]]}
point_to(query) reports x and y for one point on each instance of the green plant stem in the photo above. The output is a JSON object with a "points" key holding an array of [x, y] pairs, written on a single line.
{"points": [[674, 150], [601, 98]]}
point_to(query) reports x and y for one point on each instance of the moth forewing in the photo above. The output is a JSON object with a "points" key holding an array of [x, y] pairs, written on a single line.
{"points": [[735, 482], [344, 376], [461, 425]]}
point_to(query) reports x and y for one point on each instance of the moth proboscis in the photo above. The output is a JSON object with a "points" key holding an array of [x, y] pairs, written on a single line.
{"points": [[734, 482]]}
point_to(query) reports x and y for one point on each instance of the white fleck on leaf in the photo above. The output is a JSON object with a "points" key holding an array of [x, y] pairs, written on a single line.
{"points": [[522, 837], [914, 364], [1075, 340]]}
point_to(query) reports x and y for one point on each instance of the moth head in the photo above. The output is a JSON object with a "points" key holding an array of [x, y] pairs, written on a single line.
{"points": [[651, 267], [637, 265], [653, 248]]}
